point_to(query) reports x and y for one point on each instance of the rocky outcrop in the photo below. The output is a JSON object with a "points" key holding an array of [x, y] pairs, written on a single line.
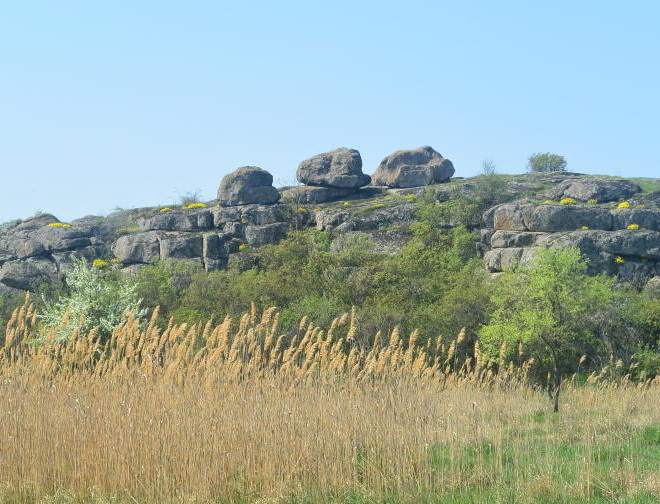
{"points": [[206, 236], [411, 168], [247, 185], [338, 168], [620, 241], [600, 190], [41, 249]]}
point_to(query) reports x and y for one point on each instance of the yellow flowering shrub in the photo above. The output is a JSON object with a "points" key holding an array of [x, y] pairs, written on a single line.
{"points": [[567, 201], [165, 210], [346, 203], [623, 204], [584, 228], [592, 201], [639, 206], [632, 227], [619, 260], [378, 205], [410, 197], [192, 206], [302, 210], [100, 263], [59, 225], [548, 202], [242, 247]]}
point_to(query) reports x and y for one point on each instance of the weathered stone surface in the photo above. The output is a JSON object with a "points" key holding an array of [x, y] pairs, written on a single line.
{"points": [[305, 195], [344, 220], [222, 215], [35, 222], [184, 220], [180, 245], [28, 274], [550, 218], [257, 236], [212, 246], [247, 185], [602, 190], [411, 168], [506, 239], [261, 215], [338, 168], [644, 218], [137, 248]]}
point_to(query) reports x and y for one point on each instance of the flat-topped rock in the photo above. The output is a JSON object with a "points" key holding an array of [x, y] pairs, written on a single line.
{"points": [[602, 190], [412, 168], [341, 168], [246, 186]]}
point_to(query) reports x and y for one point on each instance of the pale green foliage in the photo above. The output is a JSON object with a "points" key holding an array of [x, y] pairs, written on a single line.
{"points": [[546, 162], [553, 308], [92, 301]]}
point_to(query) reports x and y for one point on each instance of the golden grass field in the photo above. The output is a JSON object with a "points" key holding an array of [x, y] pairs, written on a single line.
{"points": [[234, 412]]}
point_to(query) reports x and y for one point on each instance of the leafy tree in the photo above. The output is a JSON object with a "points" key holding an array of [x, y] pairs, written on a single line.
{"points": [[541, 162], [550, 307]]}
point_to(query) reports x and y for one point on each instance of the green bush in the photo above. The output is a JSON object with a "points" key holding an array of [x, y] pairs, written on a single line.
{"points": [[542, 162], [93, 298]]}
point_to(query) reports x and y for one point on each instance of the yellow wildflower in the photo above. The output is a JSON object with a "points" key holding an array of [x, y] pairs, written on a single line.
{"points": [[632, 227], [166, 209], [378, 205], [592, 201], [242, 247], [584, 228], [59, 225], [619, 260], [302, 210], [639, 206], [567, 201], [548, 202], [346, 203], [100, 263], [623, 204], [196, 205]]}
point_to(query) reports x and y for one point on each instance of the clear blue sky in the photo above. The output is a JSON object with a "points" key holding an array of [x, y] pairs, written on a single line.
{"points": [[131, 103]]}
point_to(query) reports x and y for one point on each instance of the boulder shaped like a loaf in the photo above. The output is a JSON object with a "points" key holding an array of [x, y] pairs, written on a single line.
{"points": [[413, 168], [340, 168], [248, 185]]}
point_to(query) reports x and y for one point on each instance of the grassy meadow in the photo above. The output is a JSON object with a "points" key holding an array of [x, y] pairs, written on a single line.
{"points": [[237, 412]]}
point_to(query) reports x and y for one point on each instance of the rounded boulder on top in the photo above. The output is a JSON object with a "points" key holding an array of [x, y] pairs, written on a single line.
{"points": [[248, 185], [413, 168]]}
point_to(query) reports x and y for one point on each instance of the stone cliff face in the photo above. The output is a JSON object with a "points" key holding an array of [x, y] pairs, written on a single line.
{"points": [[614, 226], [612, 221]]}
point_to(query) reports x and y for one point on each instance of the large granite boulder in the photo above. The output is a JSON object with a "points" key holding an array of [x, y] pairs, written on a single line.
{"points": [[247, 185], [338, 168], [412, 168], [599, 189]]}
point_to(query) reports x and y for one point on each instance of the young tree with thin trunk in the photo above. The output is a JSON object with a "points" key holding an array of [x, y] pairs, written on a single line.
{"points": [[549, 308]]}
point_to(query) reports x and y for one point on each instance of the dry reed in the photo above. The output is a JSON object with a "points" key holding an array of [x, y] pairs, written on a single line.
{"points": [[239, 412]]}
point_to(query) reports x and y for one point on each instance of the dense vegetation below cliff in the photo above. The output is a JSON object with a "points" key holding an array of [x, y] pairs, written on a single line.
{"points": [[425, 258]]}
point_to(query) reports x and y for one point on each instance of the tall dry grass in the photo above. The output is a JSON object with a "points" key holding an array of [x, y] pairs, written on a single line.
{"points": [[237, 411]]}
